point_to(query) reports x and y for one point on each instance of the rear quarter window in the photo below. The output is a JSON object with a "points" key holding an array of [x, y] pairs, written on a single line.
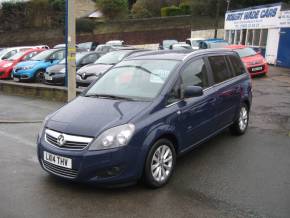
{"points": [[219, 68]]}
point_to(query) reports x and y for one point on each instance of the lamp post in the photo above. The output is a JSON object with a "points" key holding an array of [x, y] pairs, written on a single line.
{"points": [[70, 49], [217, 18]]}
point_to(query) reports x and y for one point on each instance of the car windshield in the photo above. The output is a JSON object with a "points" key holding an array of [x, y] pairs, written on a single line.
{"points": [[85, 45], [134, 79], [168, 43], [16, 56], [112, 58], [2, 52], [195, 43], [42, 55], [218, 44], [62, 61], [246, 52], [78, 57]]}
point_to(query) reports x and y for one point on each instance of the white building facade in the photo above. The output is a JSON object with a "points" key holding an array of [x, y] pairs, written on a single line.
{"points": [[265, 27]]}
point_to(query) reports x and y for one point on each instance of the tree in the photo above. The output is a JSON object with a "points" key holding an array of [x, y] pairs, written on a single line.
{"points": [[113, 9]]}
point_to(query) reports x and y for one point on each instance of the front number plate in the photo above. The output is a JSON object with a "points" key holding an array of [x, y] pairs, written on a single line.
{"points": [[48, 77], [257, 68], [57, 160]]}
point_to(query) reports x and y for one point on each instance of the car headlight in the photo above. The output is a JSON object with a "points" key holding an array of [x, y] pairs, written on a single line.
{"points": [[27, 67], [115, 137], [7, 65]]}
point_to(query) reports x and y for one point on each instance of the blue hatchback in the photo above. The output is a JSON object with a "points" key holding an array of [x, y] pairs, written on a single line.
{"points": [[138, 117], [34, 69]]}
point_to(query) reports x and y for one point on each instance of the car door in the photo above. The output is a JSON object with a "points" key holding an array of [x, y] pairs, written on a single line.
{"points": [[227, 88], [196, 115]]}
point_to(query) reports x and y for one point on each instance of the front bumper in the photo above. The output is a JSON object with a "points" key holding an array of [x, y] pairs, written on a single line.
{"points": [[112, 166], [24, 74], [55, 79], [5, 72], [264, 70]]}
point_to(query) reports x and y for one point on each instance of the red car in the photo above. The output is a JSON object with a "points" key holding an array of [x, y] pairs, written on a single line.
{"points": [[6, 66], [255, 62]]}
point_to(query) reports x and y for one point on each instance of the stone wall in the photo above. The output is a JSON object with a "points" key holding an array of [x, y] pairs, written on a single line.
{"points": [[143, 31]]}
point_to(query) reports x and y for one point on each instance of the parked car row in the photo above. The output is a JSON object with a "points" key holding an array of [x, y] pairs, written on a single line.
{"points": [[41, 64], [192, 44], [254, 61]]}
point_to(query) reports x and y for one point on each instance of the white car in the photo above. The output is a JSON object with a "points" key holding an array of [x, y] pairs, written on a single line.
{"points": [[181, 46], [9, 52], [194, 42], [115, 42]]}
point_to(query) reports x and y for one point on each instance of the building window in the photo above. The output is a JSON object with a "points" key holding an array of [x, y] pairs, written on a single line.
{"points": [[263, 38], [249, 39], [238, 36], [256, 37]]}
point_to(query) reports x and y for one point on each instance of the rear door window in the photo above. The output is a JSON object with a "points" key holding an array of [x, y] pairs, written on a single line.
{"points": [[219, 68], [237, 65]]}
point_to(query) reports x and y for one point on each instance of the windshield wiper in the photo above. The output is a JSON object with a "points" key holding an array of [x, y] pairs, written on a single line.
{"points": [[110, 96]]}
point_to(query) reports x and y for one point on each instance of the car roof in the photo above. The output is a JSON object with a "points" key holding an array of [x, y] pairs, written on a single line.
{"points": [[236, 46], [196, 38], [213, 40], [19, 47], [34, 49], [178, 55]]}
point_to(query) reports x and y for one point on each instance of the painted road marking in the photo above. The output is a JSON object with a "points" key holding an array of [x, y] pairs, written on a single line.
{"points": [[20, 140]]}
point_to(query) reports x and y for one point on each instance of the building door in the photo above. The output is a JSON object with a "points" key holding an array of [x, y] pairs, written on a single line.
{"points": [[272, 45], [283, 58]]}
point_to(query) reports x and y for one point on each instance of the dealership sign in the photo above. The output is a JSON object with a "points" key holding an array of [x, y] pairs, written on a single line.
{"points": [[258, 18], [285, 19]]}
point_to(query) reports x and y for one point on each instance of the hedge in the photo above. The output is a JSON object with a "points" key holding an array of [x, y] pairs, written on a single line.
{"points": [[183, 9]]}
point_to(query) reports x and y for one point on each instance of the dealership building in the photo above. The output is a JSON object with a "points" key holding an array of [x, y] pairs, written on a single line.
{"points": [[265, 27]]}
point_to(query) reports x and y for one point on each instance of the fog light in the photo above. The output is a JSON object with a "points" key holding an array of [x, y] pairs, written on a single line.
{"points": [[113, 171], [110, 172]]}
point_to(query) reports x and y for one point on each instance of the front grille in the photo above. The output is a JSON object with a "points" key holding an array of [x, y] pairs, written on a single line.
{"points": [[65, 141], [60, 171]]}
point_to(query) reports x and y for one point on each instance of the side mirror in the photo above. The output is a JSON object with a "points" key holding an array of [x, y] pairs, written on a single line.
{"points": [[192, 91]]}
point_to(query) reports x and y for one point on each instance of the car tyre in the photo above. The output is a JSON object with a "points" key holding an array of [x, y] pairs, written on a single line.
{"points": [[39, 76], [239, 127], [160, 164]]}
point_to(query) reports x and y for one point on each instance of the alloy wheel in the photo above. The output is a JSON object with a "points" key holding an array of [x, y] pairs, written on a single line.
{"points": [[162, 163]]}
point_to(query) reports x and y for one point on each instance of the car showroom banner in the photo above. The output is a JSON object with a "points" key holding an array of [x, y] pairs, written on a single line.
{"points": [[258, 18], [285, 19]]}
